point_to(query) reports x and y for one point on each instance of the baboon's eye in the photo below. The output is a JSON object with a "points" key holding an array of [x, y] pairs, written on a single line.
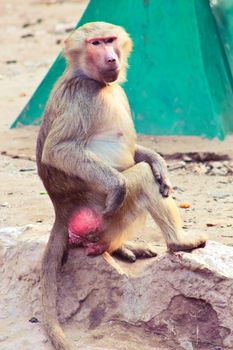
{"points": [[109, 40], [95, 42]]}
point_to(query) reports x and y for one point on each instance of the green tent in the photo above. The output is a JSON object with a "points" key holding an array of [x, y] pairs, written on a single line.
{"points": [[179, 80]]}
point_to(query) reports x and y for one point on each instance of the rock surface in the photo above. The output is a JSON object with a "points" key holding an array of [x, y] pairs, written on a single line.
{"points": [[186, 298]]}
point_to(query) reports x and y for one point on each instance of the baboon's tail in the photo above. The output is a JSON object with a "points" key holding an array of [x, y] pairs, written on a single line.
{"points": [[51, 264]]}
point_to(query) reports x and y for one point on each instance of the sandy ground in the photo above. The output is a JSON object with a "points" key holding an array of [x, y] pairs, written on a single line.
{"points": [[30, 41]]}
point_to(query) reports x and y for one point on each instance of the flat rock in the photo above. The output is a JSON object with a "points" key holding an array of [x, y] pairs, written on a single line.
{"points": [[185, 297]]}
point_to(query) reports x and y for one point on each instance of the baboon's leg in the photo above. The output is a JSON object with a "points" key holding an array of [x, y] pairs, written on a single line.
{"points": [[143, 192]]}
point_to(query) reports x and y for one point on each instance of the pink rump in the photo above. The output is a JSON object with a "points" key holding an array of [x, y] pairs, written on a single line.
{"points": [[84, 221]]}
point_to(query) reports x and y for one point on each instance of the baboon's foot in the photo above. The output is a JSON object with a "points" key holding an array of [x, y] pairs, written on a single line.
{"points": [[131, 251], [188, 243]]}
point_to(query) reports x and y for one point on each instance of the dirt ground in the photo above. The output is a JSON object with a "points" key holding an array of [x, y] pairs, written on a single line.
{"points": [[31, 35]]}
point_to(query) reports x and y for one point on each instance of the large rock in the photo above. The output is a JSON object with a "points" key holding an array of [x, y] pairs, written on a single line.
{"points": [[184, 297]]}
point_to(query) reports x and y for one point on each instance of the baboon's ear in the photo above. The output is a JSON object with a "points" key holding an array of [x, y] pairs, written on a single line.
{"points": [[128, 46]]}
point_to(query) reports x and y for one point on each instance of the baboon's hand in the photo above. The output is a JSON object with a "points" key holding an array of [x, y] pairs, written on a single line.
{"points": [[159, 169], [115, 197]]}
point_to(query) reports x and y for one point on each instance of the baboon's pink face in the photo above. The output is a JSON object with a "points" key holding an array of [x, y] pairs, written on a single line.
{"points": [[103, 58]]}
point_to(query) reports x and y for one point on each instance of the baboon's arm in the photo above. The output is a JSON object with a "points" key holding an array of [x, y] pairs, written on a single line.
{"points": [[158, 167]]}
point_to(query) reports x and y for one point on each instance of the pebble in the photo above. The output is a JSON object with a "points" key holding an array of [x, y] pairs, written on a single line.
{"points": [[26, 169], [5, 205], [28, 24], [199, 168], [217, 171], [220, 195], [184, 205], [187, 159], [178, 165], [217, 165], [11, 61], [28, 35], [186, 344], [62, 28], [22, 94], [34, 320]]}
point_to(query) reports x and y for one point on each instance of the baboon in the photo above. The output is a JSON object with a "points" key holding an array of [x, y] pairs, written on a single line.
{"points": [[91, 166]]}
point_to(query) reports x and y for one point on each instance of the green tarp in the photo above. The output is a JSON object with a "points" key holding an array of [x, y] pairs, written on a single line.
{"points": [[179, 80]]}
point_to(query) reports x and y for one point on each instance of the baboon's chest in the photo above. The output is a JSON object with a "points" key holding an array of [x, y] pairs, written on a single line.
{"points": [[115, 145], [114, 140], [114, 150]]}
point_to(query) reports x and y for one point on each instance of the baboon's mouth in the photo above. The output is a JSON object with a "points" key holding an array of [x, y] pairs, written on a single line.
{"points": [[110, 75], [116, 69]]}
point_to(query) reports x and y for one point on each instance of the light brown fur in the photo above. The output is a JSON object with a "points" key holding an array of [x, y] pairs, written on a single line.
{"points": [[87, 156]]}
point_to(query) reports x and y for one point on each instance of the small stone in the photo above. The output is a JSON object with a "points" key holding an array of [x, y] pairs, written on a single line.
{"points": [[62, 28], [176, 166], [219, 171], [217, 165], [34, 320], [26, 169], [186, 344], [199, 168], [11, 61], [5, 205], [187, 159], [28, 35], [26, 25], [220, 195], [184, 205], [22, 94]]}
